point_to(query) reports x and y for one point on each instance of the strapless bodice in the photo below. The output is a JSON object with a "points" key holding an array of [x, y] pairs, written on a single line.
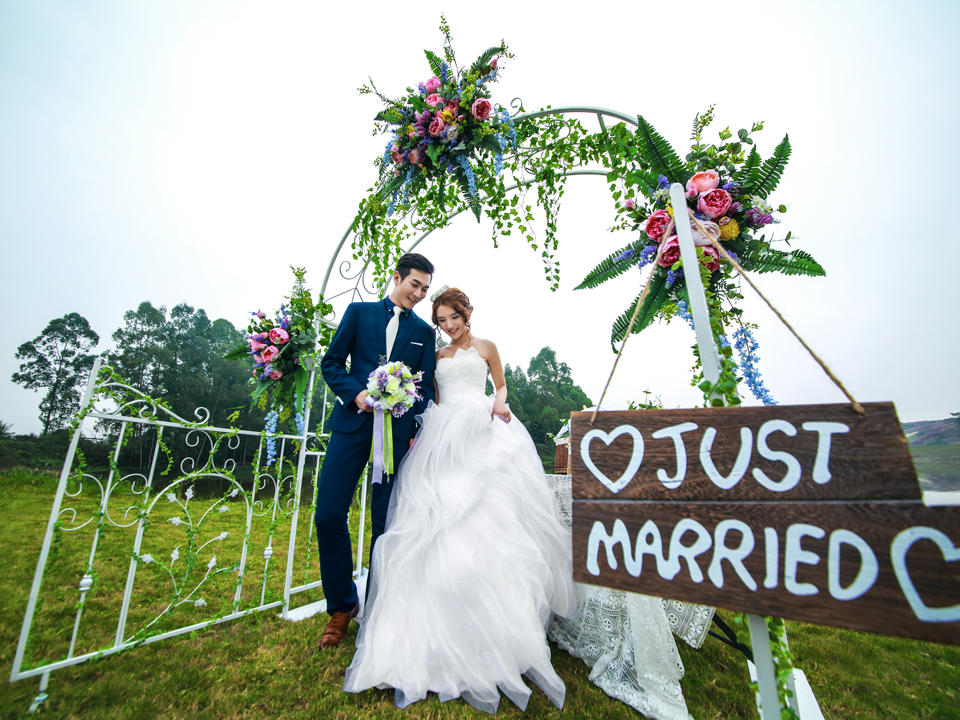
{"points": [[465, 373]]}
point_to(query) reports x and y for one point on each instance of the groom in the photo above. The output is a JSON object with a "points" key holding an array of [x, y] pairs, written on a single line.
{"points": [[370, 334]]}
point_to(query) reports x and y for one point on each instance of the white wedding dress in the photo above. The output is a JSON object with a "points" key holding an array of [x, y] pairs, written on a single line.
{"points": [[473, 562]]}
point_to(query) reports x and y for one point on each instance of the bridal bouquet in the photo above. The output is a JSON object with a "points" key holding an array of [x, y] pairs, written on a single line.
{"points": [[442, 127], [392, 389], [726, 201]]}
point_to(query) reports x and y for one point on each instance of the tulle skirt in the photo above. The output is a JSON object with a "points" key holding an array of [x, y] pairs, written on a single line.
{"points": [[472, 564]]}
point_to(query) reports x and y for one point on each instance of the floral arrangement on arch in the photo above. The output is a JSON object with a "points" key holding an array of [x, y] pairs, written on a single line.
{"points": [[283, 349], [444, 126], [726, 201]]}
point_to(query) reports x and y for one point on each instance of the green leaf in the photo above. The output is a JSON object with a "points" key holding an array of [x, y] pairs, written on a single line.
{"points": [[768, 176], [658, 153], [610, 267], [760, 259], [744, 175], [436, 64], [656, 297], [481, 63], [433, 152]]}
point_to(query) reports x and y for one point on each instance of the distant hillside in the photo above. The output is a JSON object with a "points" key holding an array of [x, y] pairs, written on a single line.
{"points": [[932, 432]]}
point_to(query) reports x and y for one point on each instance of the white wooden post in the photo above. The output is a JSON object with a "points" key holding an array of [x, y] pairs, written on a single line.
{"points": [[767, 699]]}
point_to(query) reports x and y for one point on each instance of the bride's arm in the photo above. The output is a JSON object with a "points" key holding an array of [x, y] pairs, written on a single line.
{"points": [[500, 408]]}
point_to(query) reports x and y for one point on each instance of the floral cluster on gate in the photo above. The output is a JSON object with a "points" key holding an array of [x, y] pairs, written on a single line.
{"points": [[443, 127], [283, 349], [726, 202]]}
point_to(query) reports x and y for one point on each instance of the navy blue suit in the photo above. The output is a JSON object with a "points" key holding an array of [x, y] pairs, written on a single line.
{"points": [[361, 336]]}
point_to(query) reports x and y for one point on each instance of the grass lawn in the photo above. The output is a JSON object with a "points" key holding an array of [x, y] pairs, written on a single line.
{"points": [[264, 667]]}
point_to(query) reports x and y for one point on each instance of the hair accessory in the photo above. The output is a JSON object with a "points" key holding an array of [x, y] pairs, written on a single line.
{"points": [[438, 293]]}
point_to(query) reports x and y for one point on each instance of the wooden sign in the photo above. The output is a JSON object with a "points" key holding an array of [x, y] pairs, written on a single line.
{"points": [[794, 452], [820, 520]]}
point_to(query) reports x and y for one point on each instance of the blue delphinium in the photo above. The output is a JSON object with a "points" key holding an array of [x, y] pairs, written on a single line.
{"points": [[647, 255], [468, 171], [270, 427], [674, 276], [628, 253], [746, 346]]}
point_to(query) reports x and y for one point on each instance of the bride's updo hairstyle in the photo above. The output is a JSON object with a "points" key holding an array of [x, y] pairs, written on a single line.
{"points": [[454, 298]]}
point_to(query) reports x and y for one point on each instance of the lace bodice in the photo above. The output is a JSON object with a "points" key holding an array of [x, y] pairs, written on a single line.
{"points": [[465, 373]]}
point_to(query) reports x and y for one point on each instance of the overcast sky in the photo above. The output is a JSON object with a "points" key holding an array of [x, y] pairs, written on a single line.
{"points": [[191, 151]]}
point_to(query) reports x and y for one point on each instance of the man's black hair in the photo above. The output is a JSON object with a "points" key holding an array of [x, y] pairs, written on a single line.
{"points": [[413, 261]]}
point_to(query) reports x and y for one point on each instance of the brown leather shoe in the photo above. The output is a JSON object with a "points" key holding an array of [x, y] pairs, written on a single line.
{"points": [[337, 627]]}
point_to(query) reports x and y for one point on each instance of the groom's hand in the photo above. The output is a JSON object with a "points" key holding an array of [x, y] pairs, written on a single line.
{"points": [[361, 401]]}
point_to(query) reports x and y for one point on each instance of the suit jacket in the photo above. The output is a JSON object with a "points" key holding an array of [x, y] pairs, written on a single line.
{"points": [[361, 336]]}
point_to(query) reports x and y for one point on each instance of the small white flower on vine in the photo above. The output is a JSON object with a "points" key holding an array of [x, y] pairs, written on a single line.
{"points": [[175, 554], [212, 563], [171, 497], [223, 508], [189, 493], [147, 558], [222, 535], [199, 602], [176, 521]]}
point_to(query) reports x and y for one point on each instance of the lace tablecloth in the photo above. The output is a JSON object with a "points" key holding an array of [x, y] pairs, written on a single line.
{"points": [[627, 639]]}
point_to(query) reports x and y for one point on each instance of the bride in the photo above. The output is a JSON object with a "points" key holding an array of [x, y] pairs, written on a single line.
{"points": [[474, 559]]}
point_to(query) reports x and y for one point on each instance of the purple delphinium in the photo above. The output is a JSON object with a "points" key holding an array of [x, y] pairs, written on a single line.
{"points": [[674, 276], [647, 255], [626, 254]]}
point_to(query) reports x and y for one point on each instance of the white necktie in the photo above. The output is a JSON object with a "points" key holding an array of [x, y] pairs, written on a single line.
{"points": [[392, 328]]}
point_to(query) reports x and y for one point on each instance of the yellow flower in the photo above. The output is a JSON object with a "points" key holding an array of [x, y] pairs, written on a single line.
{"points": [[670, 210], [447, 116], [729, 229]]}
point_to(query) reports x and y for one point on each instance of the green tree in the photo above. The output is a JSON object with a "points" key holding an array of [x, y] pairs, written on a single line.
{"points": [[543, 398], [57, 360], [142, 348]]}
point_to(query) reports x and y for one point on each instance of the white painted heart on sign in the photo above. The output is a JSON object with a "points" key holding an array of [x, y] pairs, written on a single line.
{"points": [[898, 554], [632, 466]]}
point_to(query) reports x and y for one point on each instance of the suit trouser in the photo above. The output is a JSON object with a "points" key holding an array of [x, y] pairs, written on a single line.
{"points": [[346, 456]]}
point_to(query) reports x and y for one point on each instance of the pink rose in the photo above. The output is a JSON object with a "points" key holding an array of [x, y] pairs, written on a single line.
{"points": [[269, 353], [436, 125], [712, 230], [432, 85], [256, 345], [711, 258], [493, 63], [714, 203], [278, 336], [657, 225], [434, 100], [631, 204], [453, 106], [276, 374], [396, 154], [703, 182], [481, 108], [415, 156], [670, 252]]}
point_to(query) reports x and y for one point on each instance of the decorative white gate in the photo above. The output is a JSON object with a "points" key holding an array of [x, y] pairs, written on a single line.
{"points": [[196, 529]]}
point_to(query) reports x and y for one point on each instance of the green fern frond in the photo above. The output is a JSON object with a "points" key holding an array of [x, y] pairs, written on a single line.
{"points": [[769, 175], [746, 175], [656, 297], [481, 63], [763, 260], [656, 151], [610, 267], [436, 64]]}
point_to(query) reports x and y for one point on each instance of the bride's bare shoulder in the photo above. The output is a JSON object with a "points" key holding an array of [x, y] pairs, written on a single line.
{"points": [[485, 348]]}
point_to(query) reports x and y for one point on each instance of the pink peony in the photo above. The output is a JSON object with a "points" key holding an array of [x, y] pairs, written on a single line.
{"points": [[656, 225], [269, 353], [436, 125], [453, 106], [703, 182], [711, 258], [276, 374], [257, 359], [481, 108], [396, 154], [416, 156], [434, 100], [432, 85], [714, 203], [493, 63], [670, 252], [256, 345], [279, 336]]}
